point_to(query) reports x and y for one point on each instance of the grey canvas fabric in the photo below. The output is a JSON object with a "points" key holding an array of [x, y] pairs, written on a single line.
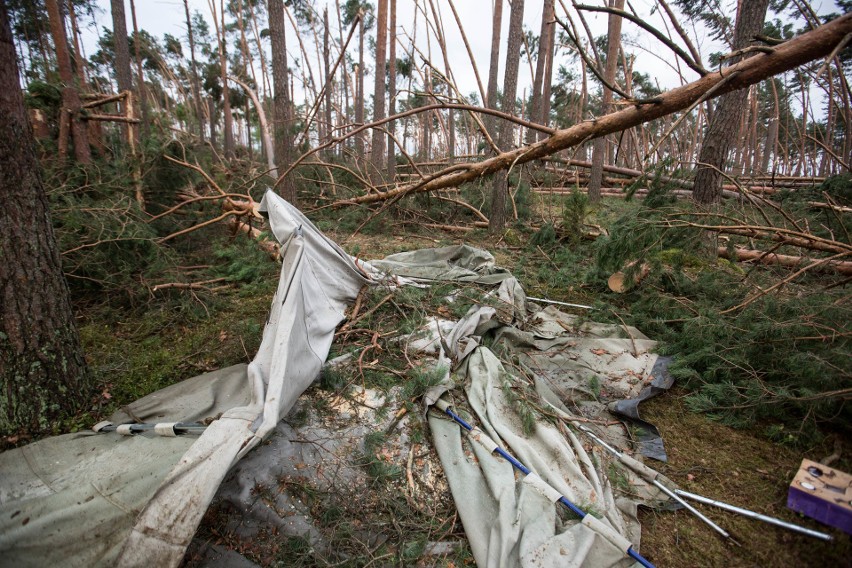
{"points": [[105, 500]]}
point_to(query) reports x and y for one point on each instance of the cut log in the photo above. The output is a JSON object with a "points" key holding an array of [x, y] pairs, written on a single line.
{"points": [[745, 255], [619, 282]]}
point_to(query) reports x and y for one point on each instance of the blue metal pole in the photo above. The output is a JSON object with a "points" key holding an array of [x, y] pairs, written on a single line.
{"points": [[562, 499]]}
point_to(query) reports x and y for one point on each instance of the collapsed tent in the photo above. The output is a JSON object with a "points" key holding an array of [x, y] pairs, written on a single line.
{"points": [[88, 499], [102, 499]]}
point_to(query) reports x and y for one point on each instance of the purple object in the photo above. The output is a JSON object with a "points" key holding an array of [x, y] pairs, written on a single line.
{"points": [[822, 493]]}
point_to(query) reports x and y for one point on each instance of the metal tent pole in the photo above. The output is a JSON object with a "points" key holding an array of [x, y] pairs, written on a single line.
{"points": [[445, 407]]}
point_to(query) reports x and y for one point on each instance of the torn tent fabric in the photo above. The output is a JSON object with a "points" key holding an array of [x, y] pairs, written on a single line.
{"points": [[106, 500]]}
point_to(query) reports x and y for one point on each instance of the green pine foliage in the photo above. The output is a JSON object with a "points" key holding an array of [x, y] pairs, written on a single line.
{"points": [[782, 362]]}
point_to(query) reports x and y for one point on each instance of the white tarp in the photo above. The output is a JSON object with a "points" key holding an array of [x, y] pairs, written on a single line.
{"points": [[104, 500]]}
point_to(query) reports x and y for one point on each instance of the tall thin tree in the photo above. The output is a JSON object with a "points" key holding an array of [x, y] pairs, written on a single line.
{"points": [[500, 189], [493, 69], [123, 75], [377, 153], [281, 96], [70, 96], [599, 149], [196, 85], [392, 91]]}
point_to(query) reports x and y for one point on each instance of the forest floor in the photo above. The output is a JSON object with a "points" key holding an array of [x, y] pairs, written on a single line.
{"points": [[197, 331]]}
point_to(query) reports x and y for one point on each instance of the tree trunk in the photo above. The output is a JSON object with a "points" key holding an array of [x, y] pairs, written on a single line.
{"points": [[448, 76], [326, 40], [211, 111], [540, 66], [359, 90], [377, 154], [227, 118], [724, 126], [493, 69], [70, 97], [43, 374], [123, 75], [281, 96], [391, 172], [497, 218], [599, 148], [93, 127], [548, 72], [140, 78], [196, 86]]}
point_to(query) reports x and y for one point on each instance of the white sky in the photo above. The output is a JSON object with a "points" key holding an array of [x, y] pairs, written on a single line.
{"points": [[167, 16]]}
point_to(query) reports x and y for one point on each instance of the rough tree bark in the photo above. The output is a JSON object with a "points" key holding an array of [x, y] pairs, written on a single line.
{"points": [[542, 58], [377, 151], [723, 128], [123, 75], [43, 375], [70, 97], [497, 216], [280, 101], [491, 100], [599, 147]]}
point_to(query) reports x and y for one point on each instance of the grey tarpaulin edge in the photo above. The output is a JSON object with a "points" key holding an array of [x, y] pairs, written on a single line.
{"points": [[648, 441]]}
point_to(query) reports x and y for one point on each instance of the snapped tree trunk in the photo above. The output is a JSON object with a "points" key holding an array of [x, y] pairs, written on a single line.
{"points": [[43, 376], [497, 218], [724, 126]]}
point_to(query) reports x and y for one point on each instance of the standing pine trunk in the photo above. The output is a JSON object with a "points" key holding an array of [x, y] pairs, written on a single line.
{"points": [[359, 89], [392, 91], [326, 40], [541, 63], [43, 376], [123, 75], [140, 78], [70, 97], [196, 86], [227, 117], [281, 96], [724, 126], [599, 148], [491, 102], [497, 218], [377, 153]]}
